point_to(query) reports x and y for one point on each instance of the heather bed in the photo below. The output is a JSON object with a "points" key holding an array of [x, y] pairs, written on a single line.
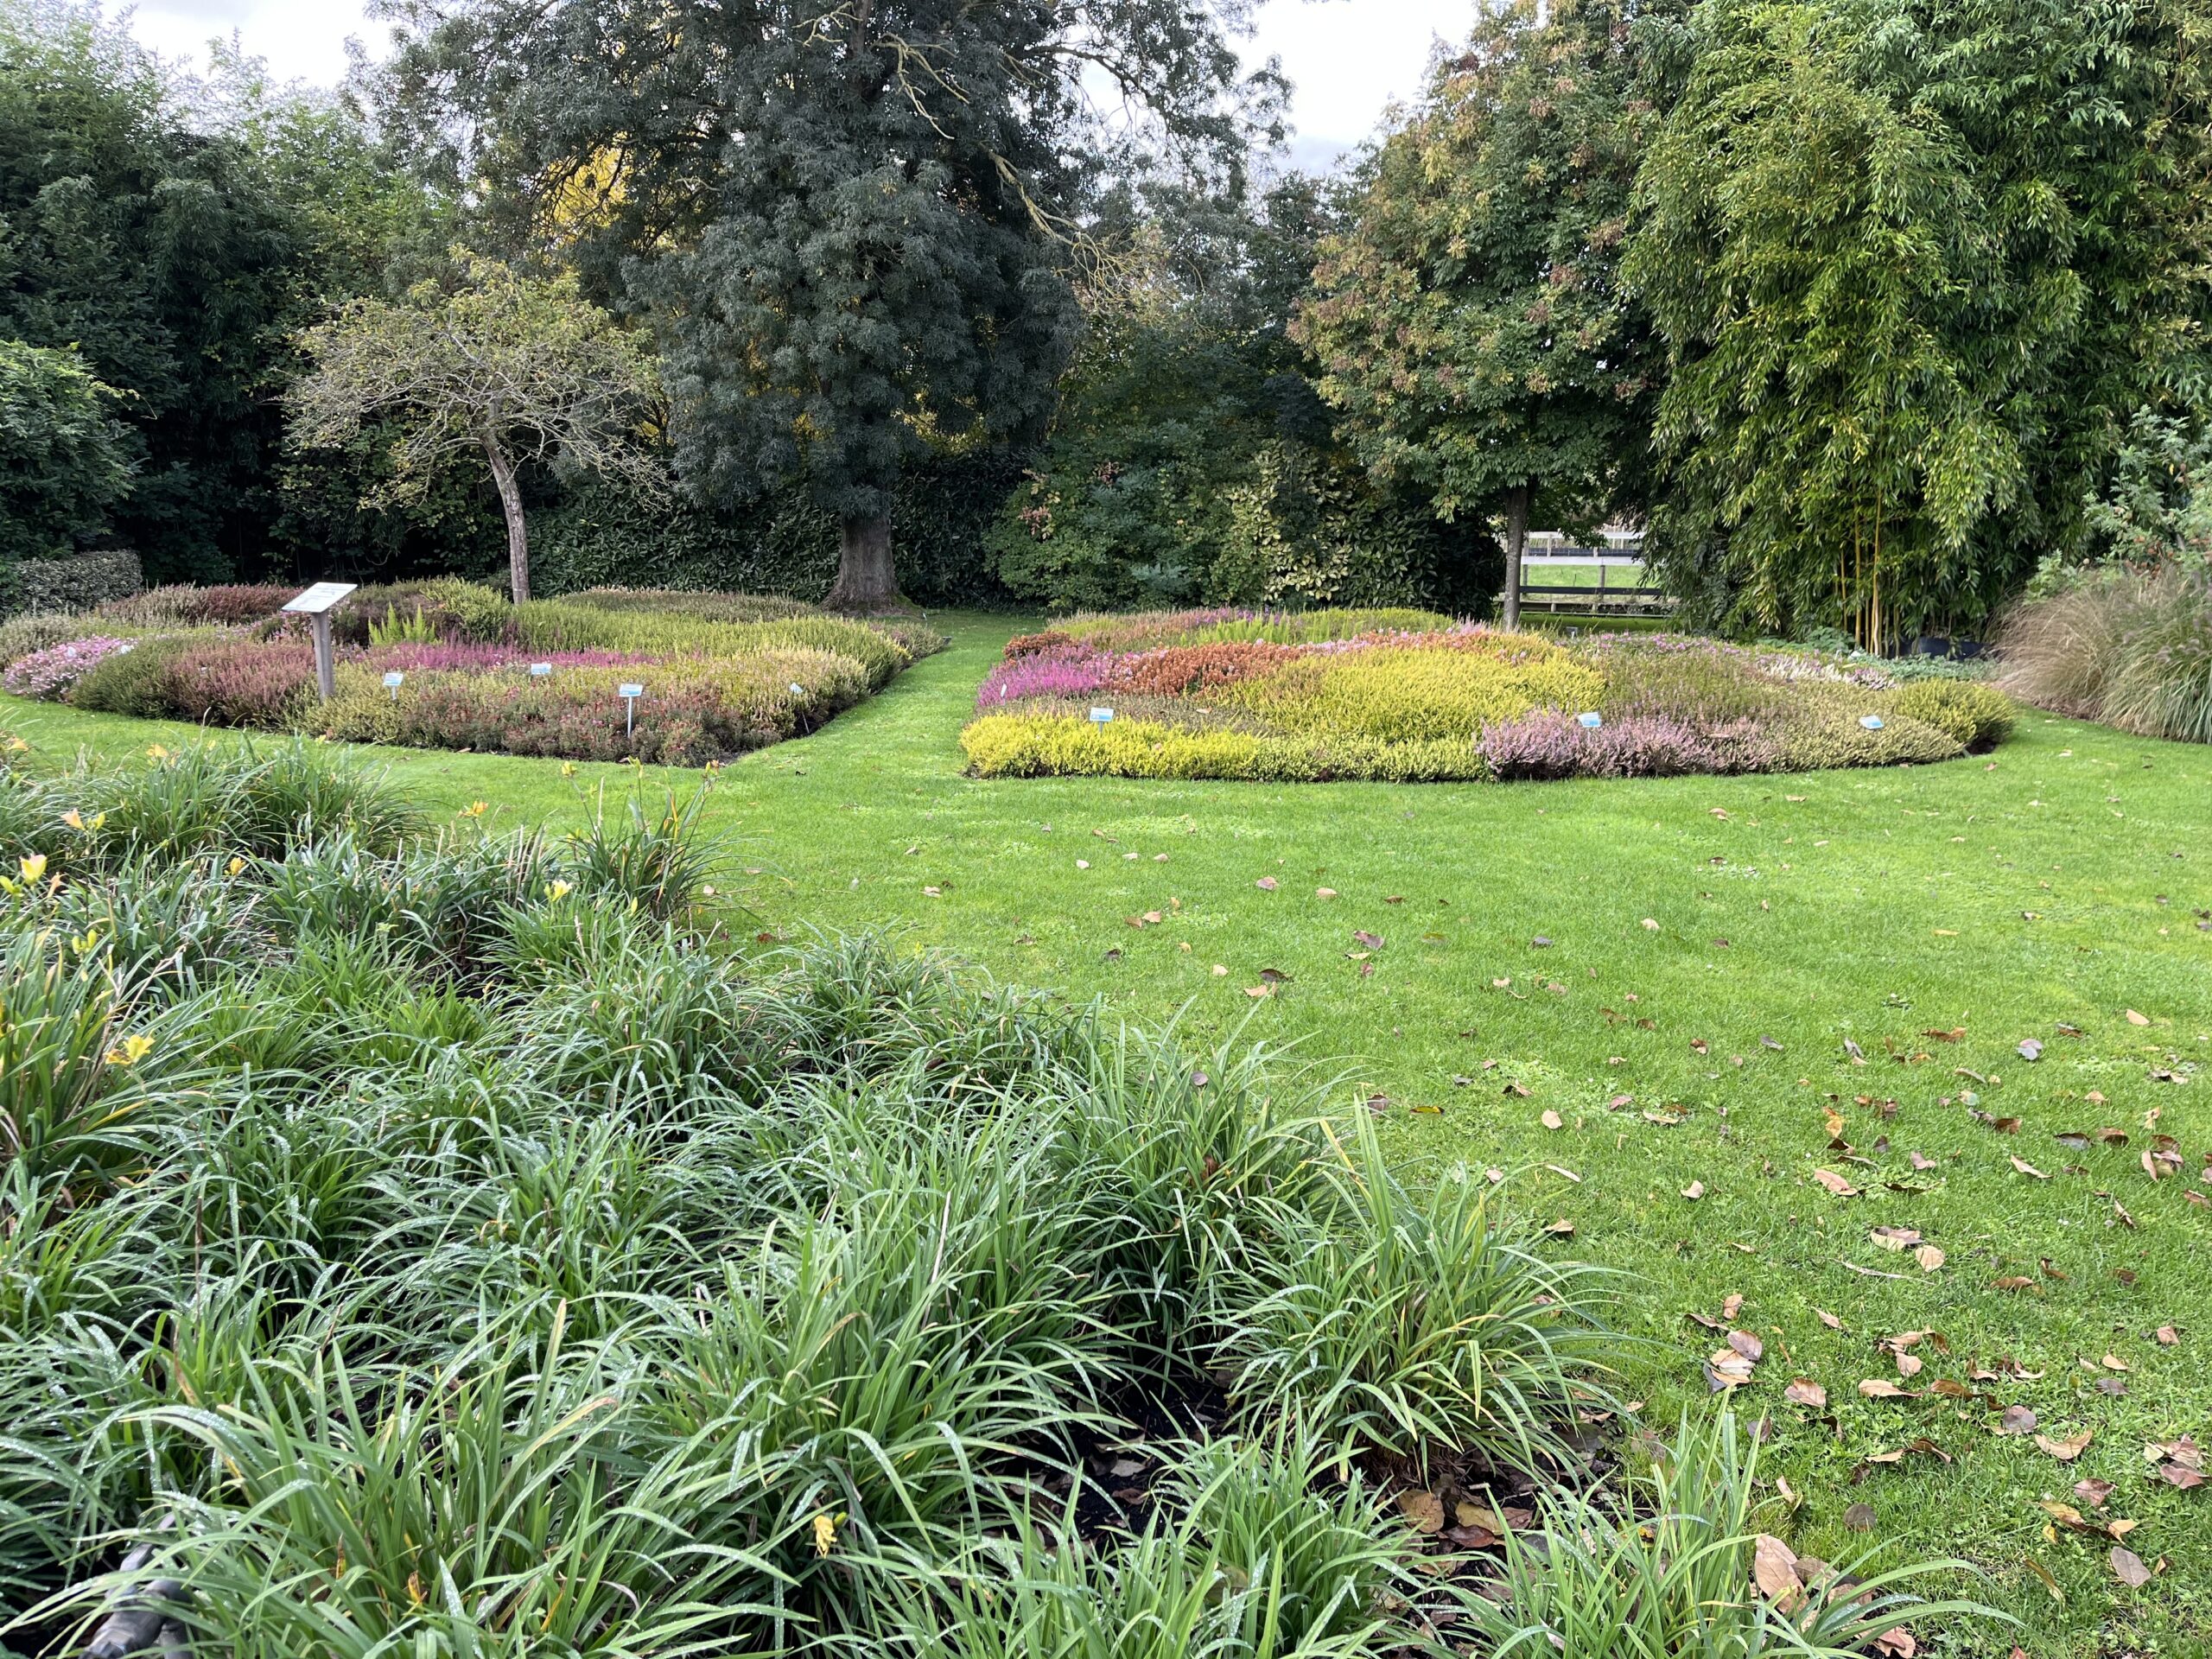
{"points": [[1409, 696], [723, 673]]}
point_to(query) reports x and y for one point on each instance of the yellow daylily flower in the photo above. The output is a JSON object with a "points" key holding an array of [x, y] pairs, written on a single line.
{"points": [[131, 1050], [33, 868]]}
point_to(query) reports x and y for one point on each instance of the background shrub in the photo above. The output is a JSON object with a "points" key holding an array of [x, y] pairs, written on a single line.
{"points": [[2130, 647], [182, 605], [81, 582]]}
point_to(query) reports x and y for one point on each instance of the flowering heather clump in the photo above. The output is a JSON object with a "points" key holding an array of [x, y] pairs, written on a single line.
{"points": [[47, 674], [184, 606], [1550, 744], [1066, 671], [1405, 696], [233, 682], [465, 655], [1176, 670], [1029, 645]]}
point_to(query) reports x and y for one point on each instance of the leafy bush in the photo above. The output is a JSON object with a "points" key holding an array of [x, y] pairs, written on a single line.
{"points": [[79, 582], [64, 458], [2128, 647], [1979, 716], [49, 674]]}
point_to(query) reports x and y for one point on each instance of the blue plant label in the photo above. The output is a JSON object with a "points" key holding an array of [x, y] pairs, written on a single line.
{"points": [[394, 680], [540, 670], [1872, 722], [626, 690], [1100, 716], [1589, 723]]}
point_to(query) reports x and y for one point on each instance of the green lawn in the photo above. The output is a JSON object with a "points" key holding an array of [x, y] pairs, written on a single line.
{"points": [[2041, 893]]}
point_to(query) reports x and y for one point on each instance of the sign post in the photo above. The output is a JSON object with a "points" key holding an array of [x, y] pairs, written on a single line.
{"points": [[317, 605], [629, 694]]}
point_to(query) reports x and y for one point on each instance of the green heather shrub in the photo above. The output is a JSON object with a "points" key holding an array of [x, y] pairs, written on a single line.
{"points": [[1400, 696], [134, 682], [1979, 716], [566, 625], [1825, 733], [709, 607], [1143, 630]]}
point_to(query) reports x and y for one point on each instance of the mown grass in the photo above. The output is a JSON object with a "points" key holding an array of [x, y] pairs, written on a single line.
{"points": [[2054, 885]]}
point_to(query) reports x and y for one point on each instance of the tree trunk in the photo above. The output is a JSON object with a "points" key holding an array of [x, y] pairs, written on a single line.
{"points": [[865, 579], [1516, 543], [503, 474]]}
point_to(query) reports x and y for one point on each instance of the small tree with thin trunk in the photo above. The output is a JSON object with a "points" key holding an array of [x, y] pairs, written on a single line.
{"points": [[516, 368]]}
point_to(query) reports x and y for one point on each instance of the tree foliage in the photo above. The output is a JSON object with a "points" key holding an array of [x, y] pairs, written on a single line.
{"points": [[1470, 324], [174, 230], [517, 369], [846, 221], [1914, 262], [62, 457]]}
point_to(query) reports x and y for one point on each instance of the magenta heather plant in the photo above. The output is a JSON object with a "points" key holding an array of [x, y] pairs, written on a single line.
{"points": [[1063, 671], [240, 681], [1546, 744], [47, 674]]}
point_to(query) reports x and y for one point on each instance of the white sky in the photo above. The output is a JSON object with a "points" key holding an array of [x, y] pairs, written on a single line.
{"points": [[1347, 58]]}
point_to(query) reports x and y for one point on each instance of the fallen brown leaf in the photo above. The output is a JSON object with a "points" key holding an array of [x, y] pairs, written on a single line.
{"points": [[2066, 1450], [1804, 1391], [2128, 1567]]}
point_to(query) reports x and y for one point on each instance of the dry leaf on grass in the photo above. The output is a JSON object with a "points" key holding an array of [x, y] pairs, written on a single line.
{"points": [[2128, 1567], [1804, 1391], [1835, 1183], [1774, 1570], [2066, 1450]]}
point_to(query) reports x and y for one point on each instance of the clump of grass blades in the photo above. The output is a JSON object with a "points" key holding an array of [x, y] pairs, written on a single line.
{"points": [[484, 1508], [1664, 1572], [1414, 1326], [2130, 647], [662, 861]]}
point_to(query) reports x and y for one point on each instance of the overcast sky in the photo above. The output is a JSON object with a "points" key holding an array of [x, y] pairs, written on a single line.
{"points": [[1348, 58]]}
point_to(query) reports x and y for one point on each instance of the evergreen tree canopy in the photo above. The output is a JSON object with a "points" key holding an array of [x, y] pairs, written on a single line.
{"points": [[847, 221], [1471, 325]]}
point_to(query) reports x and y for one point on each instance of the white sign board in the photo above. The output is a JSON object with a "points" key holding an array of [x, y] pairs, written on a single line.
{"points": [[394, 680], [1100, 716], [319, 599], [540, 670], [629, 691]]}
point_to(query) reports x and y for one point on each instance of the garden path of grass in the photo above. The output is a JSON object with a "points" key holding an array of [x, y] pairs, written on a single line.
{"points": [[2058, 883]]}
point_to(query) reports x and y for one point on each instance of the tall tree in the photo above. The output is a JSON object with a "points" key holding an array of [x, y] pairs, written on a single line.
{"points": [[494, 364], [174, 232], [847, 221], [1915, 261], [1471, 325], [62, 453]]}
